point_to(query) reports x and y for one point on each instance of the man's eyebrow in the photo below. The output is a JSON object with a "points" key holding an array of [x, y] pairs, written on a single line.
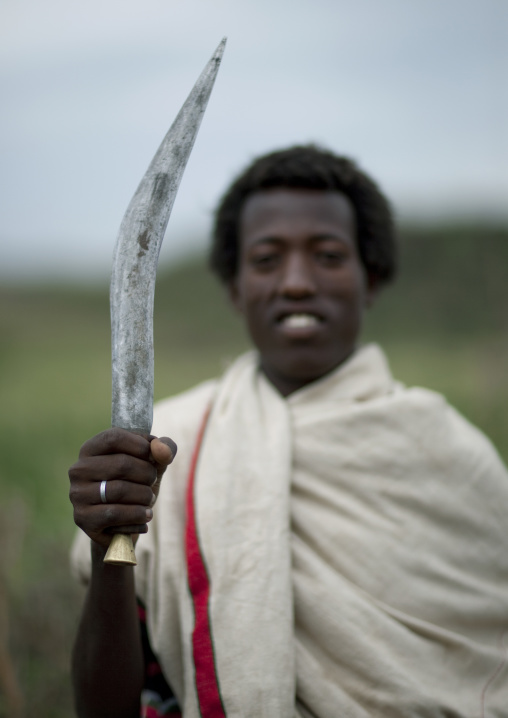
{"points": [[328, 235], [341, 240], [313, 237], [270, 239], [276, 240]]}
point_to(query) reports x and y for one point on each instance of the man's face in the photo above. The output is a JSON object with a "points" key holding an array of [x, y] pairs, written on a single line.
{"points": [[300, 284]]}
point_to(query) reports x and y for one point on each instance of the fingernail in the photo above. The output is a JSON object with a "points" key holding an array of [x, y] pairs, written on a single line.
{"points": [[149, 514]]}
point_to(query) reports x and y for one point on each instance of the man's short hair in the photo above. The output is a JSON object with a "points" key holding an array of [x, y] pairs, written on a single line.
{"points": [[309, 167]]}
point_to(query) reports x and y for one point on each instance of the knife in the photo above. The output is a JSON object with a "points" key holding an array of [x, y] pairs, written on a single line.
{"points": [[133, 276]]}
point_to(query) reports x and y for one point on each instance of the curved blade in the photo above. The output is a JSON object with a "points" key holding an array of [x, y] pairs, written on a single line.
{"points": [[136, 256]]}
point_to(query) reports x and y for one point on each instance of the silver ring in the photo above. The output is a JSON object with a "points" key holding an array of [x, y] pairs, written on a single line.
{"points": [[103, 492]]}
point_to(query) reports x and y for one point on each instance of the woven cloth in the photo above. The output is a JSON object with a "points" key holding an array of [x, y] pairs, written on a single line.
{"points": [[342, 552]]}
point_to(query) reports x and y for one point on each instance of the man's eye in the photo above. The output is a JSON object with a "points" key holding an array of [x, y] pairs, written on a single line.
{"points": [[264, 261], [330, 258]]}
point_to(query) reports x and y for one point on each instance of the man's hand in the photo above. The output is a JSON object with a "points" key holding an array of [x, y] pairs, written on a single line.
{"points": [[133, 466]]}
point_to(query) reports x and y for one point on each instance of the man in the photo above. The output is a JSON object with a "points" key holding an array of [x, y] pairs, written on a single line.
{"points": [[327, 543]]}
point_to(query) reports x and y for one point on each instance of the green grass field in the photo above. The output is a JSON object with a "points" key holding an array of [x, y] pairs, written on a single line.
{"points": [[443, 326]]}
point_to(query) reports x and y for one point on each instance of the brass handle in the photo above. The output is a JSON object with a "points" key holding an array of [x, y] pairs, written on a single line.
{"points": [[121, 551]]}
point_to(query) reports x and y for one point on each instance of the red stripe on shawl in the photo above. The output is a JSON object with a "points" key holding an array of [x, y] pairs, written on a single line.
{"points": [[207, 683]]}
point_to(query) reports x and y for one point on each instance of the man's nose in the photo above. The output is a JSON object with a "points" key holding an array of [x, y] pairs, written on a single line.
{"points": [[297, 278]]}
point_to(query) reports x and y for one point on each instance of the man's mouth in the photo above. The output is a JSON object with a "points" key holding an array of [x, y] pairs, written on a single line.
{"points": [[299, 321]]}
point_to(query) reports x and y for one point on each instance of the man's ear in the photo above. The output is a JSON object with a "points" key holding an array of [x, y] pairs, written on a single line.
{"points": [[371, 290]]}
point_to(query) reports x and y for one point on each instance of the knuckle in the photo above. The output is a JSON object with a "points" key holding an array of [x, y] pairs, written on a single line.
{"points": [[74, 494], [110, 515], [119, 492], [75, 471], [123, 465], [114, 441], [84, 449], [110, 439], [78, 472], [94, 445], [97, 524], [79, 519]]}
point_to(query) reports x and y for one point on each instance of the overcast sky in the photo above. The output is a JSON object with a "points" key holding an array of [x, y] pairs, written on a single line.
{"points": [[415, 90]]}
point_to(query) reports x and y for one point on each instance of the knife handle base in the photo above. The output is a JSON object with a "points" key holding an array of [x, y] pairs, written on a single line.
{"points": [[121, 551]]}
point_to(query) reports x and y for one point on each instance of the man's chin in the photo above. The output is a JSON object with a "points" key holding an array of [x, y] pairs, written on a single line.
{"points": [[291, 373]]}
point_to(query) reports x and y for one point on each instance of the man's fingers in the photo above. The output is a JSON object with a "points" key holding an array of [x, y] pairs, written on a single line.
{"points": [[115, 492], [117, 441], [163, 452], [113, 466], [133, 529], [131, 467], [99, 518]]}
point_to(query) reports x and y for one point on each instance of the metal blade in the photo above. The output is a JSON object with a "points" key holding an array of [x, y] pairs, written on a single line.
{"points": [[135, 260]]}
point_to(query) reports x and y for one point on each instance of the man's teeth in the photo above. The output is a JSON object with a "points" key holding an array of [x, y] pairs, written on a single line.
{"points": [[299, 321]]}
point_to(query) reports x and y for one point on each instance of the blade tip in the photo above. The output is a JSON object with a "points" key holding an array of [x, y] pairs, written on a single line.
{"points": [[220, 48]]}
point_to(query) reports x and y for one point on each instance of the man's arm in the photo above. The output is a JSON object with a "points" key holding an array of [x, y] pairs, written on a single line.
{"points": [[107, 662]]}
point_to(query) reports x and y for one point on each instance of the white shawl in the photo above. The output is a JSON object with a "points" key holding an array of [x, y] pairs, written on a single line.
{"points": [[356, 548]]}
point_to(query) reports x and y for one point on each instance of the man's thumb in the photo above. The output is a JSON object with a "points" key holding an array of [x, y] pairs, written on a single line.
{"points": [[163, 450]]}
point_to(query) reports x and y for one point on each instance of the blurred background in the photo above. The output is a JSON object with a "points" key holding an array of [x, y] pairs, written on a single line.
{"points": [[416, 92]]}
